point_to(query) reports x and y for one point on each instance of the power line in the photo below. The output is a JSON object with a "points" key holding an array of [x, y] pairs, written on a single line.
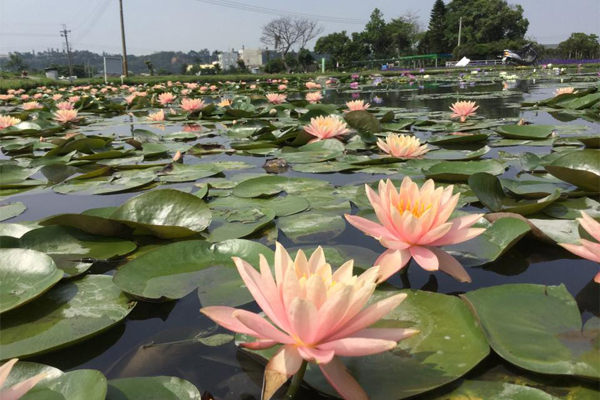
{"points": [[26, 34], [65, 33], [282, 13]]}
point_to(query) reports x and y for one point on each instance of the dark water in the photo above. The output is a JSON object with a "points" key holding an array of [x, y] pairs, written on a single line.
{"points": [[154, 340]]}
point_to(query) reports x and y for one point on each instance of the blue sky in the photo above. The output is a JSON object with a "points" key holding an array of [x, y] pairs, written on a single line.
{"points": [[154, 25]]}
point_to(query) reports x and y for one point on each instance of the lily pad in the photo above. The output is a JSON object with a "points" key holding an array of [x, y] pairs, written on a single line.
{"points": [[175, 270], [70, 312], [493, 391], [537, 328], [11, 210], [580, 168], [312, 226], [83, 384], [164, 213], [460, 171], [152, 388], [25, 275], [271, 184], [533, 132]]}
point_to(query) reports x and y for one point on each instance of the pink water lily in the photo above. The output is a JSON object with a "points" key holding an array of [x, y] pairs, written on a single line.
{"points": [[7, 120], [587, 249], [66, 116], [402, 146], [276, 98], [414, 222], [314, 97], [315, 313], [565, 90], [463, 109], [157, 116], [166, 98], [65, 105], [326, 128], [192, 105], [357, 105], [18, 390]]}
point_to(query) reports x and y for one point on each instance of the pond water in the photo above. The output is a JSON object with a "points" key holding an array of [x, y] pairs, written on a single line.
{"points": [[163, 338]]}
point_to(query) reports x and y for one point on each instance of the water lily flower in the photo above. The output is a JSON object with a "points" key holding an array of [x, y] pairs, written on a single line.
{"points": [[37, 96], [357, 105], [157, 116], [66, 116], [315, 313], [192, 105], [18, 390], [225, 103], [276, 98], [326, 128], [402, 146], [463, 109], [57, 97], [414, 222], [7, 120], [213, 88], [354, 85], [32, 105], [64, 105], [25, 97], [314, 97], [74, 99], [565, 90], [282, 87], [312, 85], [166, 98], [587, 249]]}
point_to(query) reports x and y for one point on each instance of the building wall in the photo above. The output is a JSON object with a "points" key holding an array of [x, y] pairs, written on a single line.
{"points": [[228, 60]]}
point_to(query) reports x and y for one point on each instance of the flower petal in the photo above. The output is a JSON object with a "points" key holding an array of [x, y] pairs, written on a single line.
{"points": [[590, 225], [391, 262], [338, 377], [316, 355], [261, 326], [224, 316], [425, 258], [357, 347], [395, 334], [302, 315], [451, 266], [285, 363], [17, 391], [581, 251]]}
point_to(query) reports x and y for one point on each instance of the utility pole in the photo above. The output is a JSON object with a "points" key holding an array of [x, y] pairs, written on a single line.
{"points": [[65, 33], [125, 68], [459, 29]]}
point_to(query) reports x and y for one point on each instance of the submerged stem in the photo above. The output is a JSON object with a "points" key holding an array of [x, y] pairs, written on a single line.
{"points": [[296, 381]]}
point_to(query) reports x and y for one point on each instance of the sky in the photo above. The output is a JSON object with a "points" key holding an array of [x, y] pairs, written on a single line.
{"points": [[184, 25]]}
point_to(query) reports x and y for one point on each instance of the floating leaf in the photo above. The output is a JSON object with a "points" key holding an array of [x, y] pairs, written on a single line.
{"points": [[534, 132], [11, 210], [581, 168], [154, 387], [460, 171]]}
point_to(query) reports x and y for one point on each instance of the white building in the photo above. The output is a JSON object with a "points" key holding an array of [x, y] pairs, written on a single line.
{"points": [[228, 60]]}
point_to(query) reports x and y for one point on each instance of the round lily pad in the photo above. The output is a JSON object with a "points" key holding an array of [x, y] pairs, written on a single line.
{"points": [[70, 312], [493, 391], [165, 213], [173, 271], [25, 275], [525, 131], [538, 328], [580, 168], [460, 171], [8, 211]]}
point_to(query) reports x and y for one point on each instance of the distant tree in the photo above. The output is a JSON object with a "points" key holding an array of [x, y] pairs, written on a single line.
{"points": [[484, 21], [436, 37], [580, 46], [15, 63], [335, 45], [376, 36], [305, 59], [285, 33], [241, 66], [402, 34], [217, 68], [275, 66], [150, 67]]}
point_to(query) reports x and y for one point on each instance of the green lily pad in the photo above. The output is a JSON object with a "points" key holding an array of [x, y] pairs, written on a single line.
{"points": [[25, 275], [537, 328], [83, 384], [363, 121], [223, 286], [312, 226], [460, 171], [23, 370], [580, 168], [70, 312], [458, 139], [457, 155], [164, 213], [489, 191], [534, 132], [175, 270], [571, 208], [273, 184], [11, 210], [240, 222], [152, 388], [493, 391], [176, 172]]}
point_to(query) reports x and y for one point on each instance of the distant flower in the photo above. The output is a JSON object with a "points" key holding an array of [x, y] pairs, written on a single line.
{"points": [[463, 109], [354, 85], [252, 87], [203, 88], [312, 85], [66, 116], [377, 100], [185, 92], [191, 86], [413, 223], [377, 81], [426, 76], [213, 88], [32, 105], [18, 390], [25, 97], [276, 98], [225, 103], [74, 99], [57, 97], [177, 157], [355, 76], [64, 105], [7, 120], [314, 97], [587, 249], [6, 97], [157, 116], [37, 96], [192, 105], [422, 70], [282, 87], [166, 98], [326, 127], [315, 313], [357, 105], [565, 90], [355, 95], [129, 99], [402, 146]]}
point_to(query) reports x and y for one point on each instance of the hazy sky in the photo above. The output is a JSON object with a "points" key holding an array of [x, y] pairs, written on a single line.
{"points": [[154, 25]]}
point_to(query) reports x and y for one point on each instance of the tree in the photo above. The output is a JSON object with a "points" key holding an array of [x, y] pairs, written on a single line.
{"points": [[436, 38], [484, 21], [403, 36], [150, 67], [241, 66], [580, 46], [285, 33], [305, 59], [335, 45], [376, 35], [15, 63]]}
